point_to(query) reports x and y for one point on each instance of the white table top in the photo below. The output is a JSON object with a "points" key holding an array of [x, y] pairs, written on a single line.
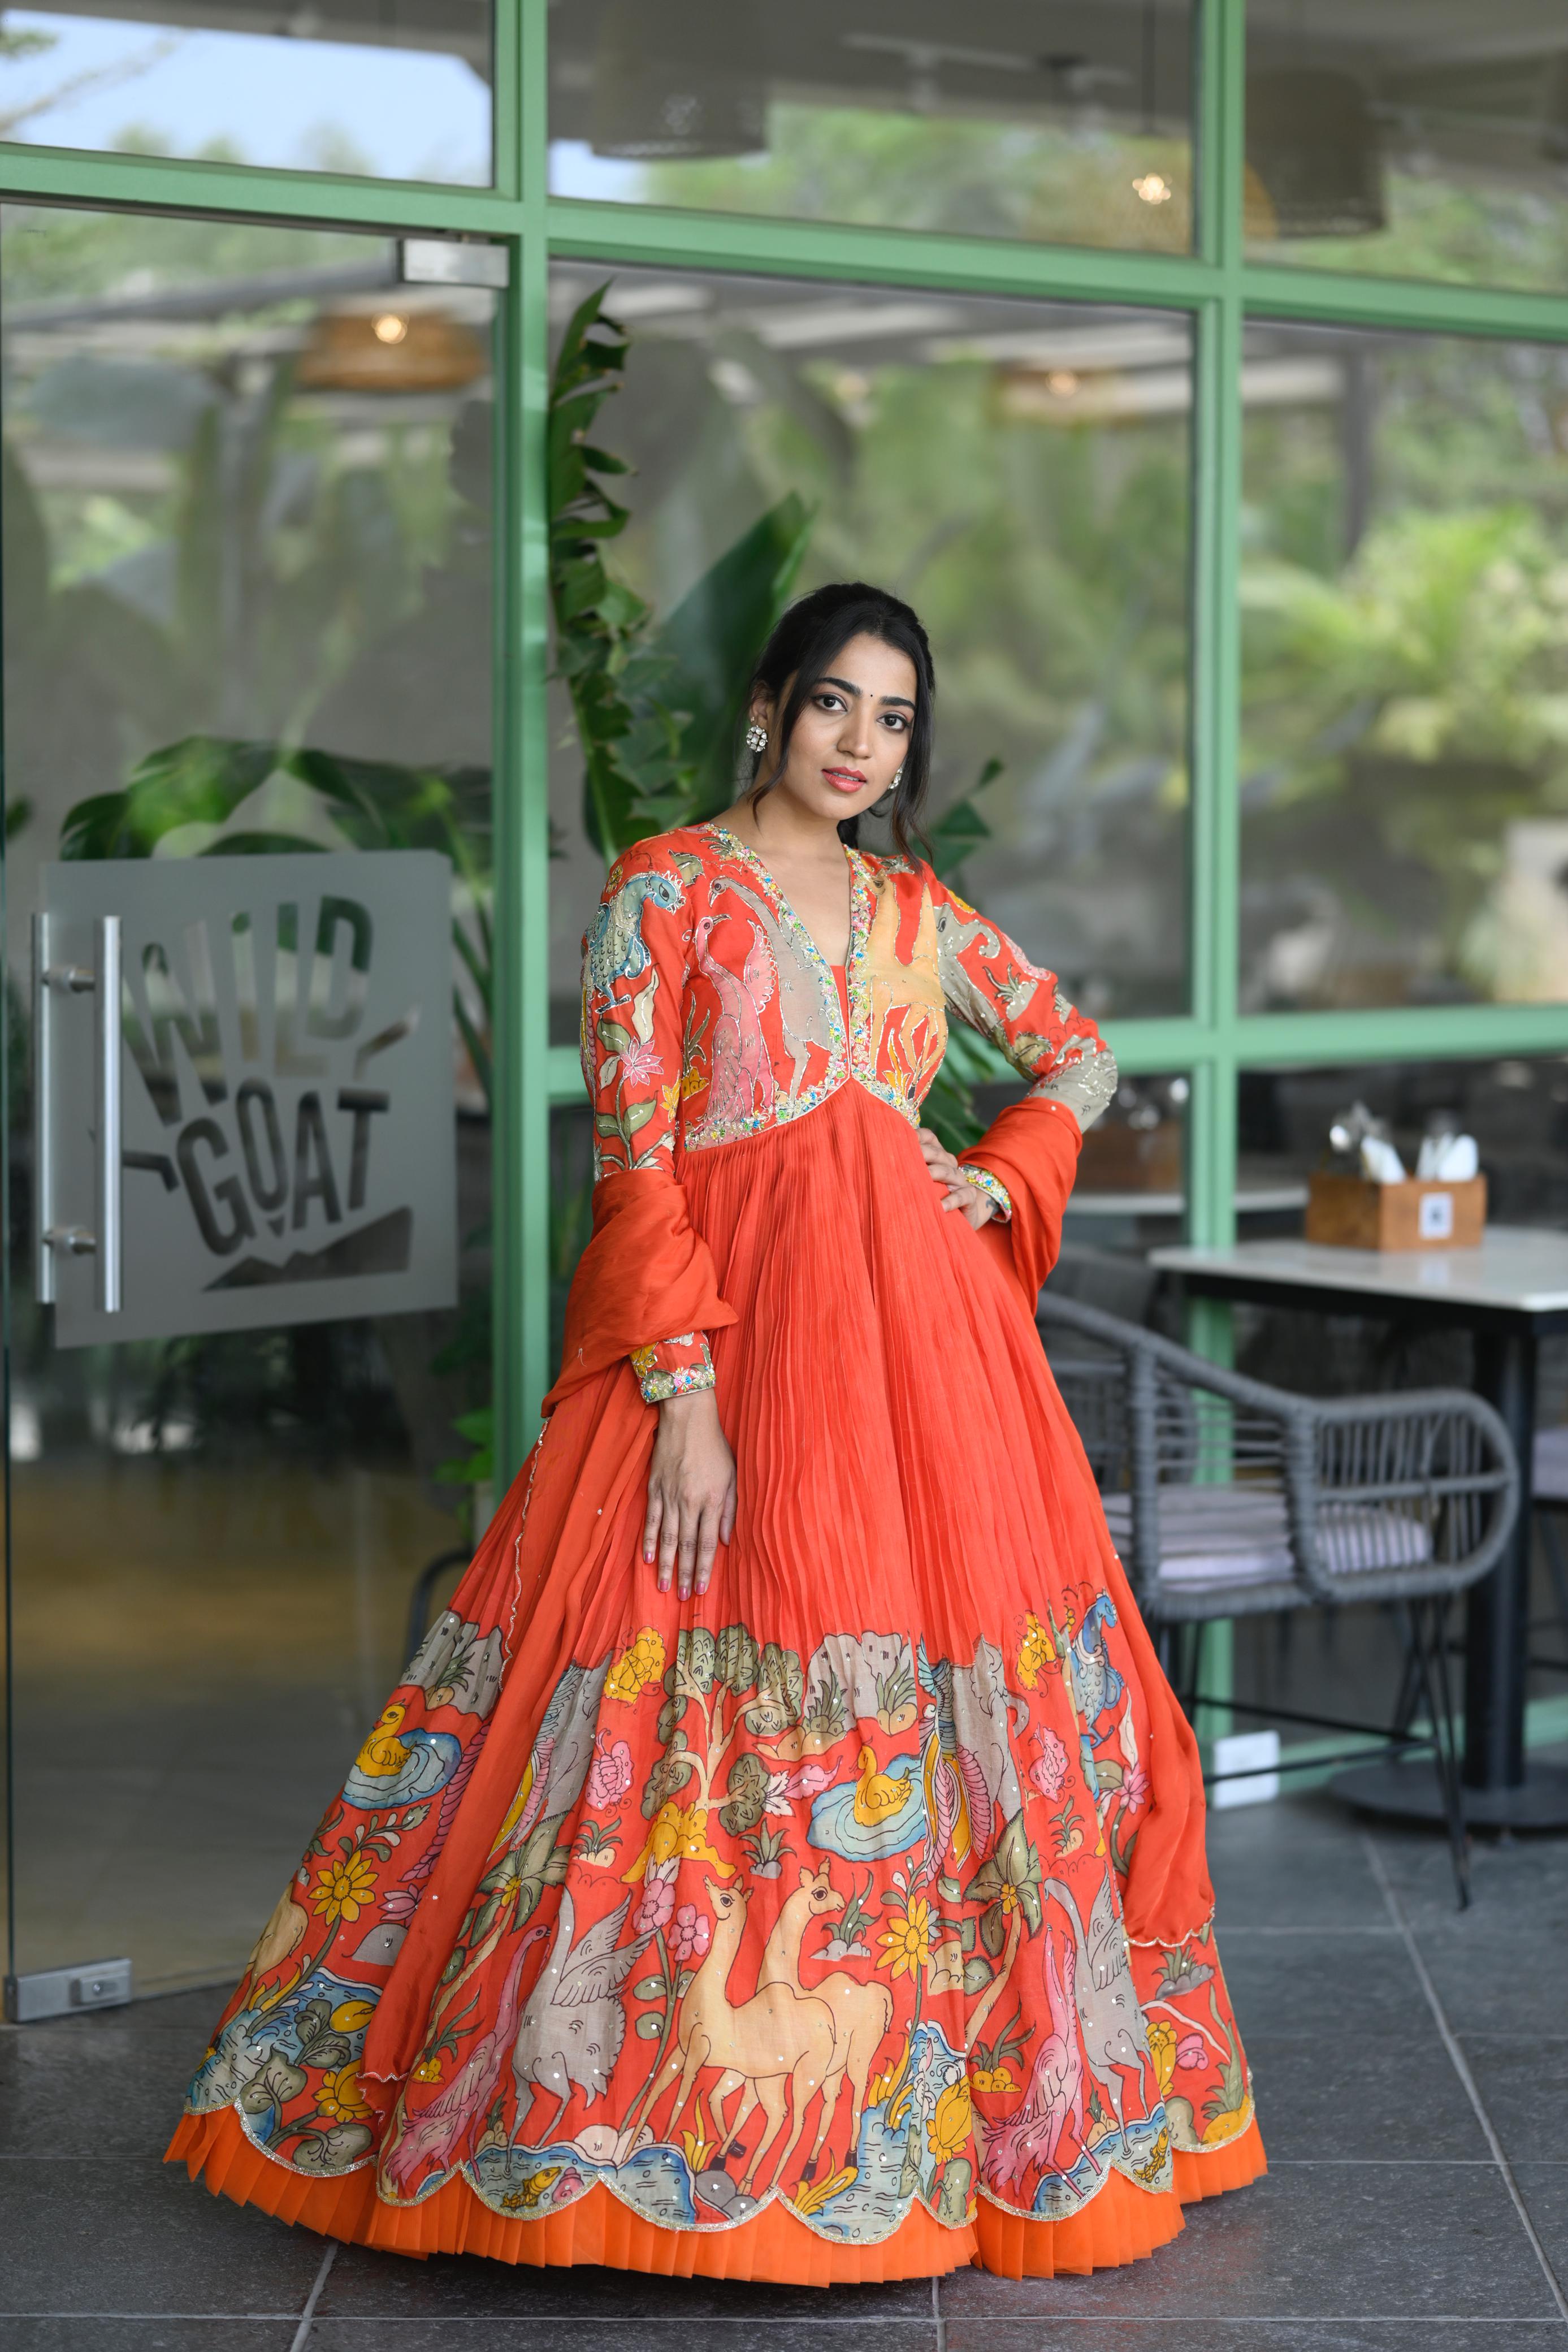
{"points": [[1251, 1201], [1517, 1267]]}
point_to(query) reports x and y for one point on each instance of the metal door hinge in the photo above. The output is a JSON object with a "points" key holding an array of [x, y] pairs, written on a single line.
{"points": [[451, 261]]}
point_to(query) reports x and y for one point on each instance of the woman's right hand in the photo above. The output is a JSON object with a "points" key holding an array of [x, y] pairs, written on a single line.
{"points": [[691, 1492]]}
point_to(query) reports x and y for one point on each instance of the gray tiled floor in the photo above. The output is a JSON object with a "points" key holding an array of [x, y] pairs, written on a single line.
{"points": [[1411, 2064]]}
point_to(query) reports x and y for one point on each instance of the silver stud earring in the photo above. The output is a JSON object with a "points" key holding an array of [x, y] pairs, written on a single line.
{"points": [[898, 775], [756, 737]]}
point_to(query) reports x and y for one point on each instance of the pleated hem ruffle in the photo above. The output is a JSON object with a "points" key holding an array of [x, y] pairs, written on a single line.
{"points": [[1121, 2224]]}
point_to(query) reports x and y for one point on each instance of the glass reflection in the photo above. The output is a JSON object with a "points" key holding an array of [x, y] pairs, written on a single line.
{"points": [[247, 500], [402, 92], [1051, 121], [1405, 586], [1410, 137], [1020, 473]]}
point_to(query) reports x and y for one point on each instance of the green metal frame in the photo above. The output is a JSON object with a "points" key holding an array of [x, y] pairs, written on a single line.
{"points": [[1216, 284]]}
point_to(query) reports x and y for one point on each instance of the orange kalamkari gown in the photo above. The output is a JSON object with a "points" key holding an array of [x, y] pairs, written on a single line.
{"points": [[850, 1921]]}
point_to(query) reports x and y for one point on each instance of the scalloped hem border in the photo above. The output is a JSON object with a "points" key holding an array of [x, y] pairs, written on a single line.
{"points": [[1122, 2224]]}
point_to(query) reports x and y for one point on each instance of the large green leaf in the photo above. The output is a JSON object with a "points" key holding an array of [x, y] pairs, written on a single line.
{"points": [[715, 633]]}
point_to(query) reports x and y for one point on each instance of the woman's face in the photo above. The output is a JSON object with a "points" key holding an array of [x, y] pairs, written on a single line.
{"points": [[851, 739]]}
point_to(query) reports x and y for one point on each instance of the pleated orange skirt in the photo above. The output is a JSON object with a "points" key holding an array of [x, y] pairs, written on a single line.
{"points": [[849, 1922]]}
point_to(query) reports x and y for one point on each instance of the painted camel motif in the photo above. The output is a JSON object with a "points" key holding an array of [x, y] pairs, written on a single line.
{"points": [[777, 2044], [861, 2013]]}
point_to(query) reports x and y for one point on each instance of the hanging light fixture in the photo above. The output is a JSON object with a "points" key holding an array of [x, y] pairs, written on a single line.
{"points": [[1314, 167], [676, 79], [389, 350]]}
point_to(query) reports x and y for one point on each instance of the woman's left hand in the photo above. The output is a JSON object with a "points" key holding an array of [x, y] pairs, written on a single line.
{"points": [[968, 1198]]}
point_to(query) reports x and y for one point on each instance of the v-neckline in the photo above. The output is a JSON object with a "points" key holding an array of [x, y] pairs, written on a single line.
{"points": [[798, 922]]}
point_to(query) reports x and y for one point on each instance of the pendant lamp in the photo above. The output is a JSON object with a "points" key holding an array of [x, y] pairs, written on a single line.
{"points": [[676, 79], [1313, 150]]}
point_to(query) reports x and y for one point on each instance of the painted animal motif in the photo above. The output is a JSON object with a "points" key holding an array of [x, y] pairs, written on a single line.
{"points": [[860, 1818], [803, 1006], [742, 1080], [435, 2133], [616, 948], [861, 2013], [1029, 2139], [988, 1717], [779, 2045], [428, 1760], [573, 2025], [562, 1752], [1096, 1683], [957, 1798], [1108, 2016]]}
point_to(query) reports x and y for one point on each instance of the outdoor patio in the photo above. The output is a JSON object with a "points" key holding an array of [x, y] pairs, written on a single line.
{"points": [[1411, 2069]]}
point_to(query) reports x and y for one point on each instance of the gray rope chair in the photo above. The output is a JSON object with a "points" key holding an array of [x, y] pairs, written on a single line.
{"points": [[1225, 1498]]}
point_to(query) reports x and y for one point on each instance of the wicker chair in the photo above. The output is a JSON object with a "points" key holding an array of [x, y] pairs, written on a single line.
{"points": [[1227, 1498]]}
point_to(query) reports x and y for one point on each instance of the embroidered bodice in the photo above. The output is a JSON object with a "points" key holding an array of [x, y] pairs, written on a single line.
{"points": [[710, 1013]]}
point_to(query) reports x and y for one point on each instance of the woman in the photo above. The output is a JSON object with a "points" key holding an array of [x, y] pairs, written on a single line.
{"points": [[785, 1857]]}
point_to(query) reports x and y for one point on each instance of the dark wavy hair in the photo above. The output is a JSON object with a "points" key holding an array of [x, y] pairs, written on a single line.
{"points": [[803, 649]]}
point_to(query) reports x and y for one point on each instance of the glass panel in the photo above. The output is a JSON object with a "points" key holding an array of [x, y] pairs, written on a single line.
{"points": [[1053, 122], [1419, 138], [398, 92], [1405, 586], [246, 555], [1517, 1110], [1020, 473], [1349, 1661]]}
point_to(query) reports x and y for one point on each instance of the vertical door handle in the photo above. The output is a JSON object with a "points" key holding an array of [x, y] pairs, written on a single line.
{"points": [[109, 1222], [105, 1241], [43, 1115]]}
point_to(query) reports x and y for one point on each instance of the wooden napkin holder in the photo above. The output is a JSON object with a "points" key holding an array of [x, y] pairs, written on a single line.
{"points": [[1353, 1213]]}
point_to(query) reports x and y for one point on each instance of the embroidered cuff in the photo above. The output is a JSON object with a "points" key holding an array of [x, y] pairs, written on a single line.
{"points": [[673, 1367], [995, 1191]]}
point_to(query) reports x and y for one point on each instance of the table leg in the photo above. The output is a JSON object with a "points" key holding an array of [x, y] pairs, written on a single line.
{"points": [[1500, 1792], [1497, 1635]]}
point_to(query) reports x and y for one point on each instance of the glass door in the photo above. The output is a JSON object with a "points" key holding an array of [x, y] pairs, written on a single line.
{"points": [[247, 591]]}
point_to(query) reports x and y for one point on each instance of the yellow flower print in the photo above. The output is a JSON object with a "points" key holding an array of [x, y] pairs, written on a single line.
{"points": [[344, 1889], [1036, 1651], [906, 1941], [1010, 1897], [339, 2096], [952, 2121], [1162, 2051], [640, 1664], [670, 1096], [427, 2071], [350, 2015]]}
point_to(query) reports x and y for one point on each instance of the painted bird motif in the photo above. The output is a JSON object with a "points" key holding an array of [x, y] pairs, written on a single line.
{"points": [[958, 1803], [424, 1763], [572, 2026], [742, 1080], [616, 948], [1032, 2134], [437, 2131]]}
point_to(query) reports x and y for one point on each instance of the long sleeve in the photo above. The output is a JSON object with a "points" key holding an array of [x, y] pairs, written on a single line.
{"points": [[645, 1288], [1028, 1155], [991, 986]]}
